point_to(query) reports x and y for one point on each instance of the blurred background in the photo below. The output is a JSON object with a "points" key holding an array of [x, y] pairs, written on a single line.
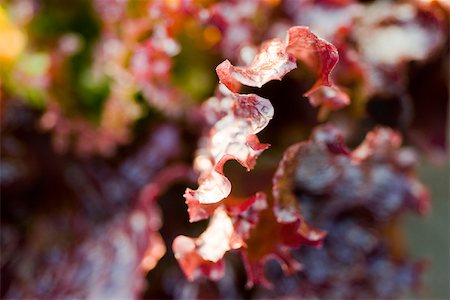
{"points": [[101, 116], [423, 231]]}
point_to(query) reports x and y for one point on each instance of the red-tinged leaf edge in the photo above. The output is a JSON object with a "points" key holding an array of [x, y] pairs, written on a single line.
{"points": [[277, 57], [314, 52], [233, 137], [228, 229]]}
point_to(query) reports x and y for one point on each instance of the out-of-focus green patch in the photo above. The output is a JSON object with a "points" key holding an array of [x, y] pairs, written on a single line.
{"points": [[91, 92], [26, 78], [55, 18], [33, 97], [34, 65], [429, 237], [76, 89], [194, 69]]}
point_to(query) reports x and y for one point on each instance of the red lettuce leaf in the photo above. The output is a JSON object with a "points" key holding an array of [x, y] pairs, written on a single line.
{"points": [[277, 57], [228, 229], [232, 137], [283, 238], [315, 52], [236, 119], [271, 62]]}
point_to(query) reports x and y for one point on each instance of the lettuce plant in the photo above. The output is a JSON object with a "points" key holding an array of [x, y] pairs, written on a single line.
{"points": [[110, 109]]}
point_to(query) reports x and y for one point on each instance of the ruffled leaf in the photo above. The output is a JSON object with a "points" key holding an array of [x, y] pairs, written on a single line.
{"points": [[232, 137], [203, 255], [228, 229], [277, 57], [238, 117], [315, 52], [236, 120], [271, 63], [283, 238]]}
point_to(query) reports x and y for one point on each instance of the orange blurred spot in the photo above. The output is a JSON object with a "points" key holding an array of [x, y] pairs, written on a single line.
{"points": [[12, 40], [153, 253], [212, 35], [173, 4], [272, 2]]}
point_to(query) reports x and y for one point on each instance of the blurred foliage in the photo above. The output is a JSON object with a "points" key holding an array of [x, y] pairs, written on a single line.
{"points": [[100, 99]]}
